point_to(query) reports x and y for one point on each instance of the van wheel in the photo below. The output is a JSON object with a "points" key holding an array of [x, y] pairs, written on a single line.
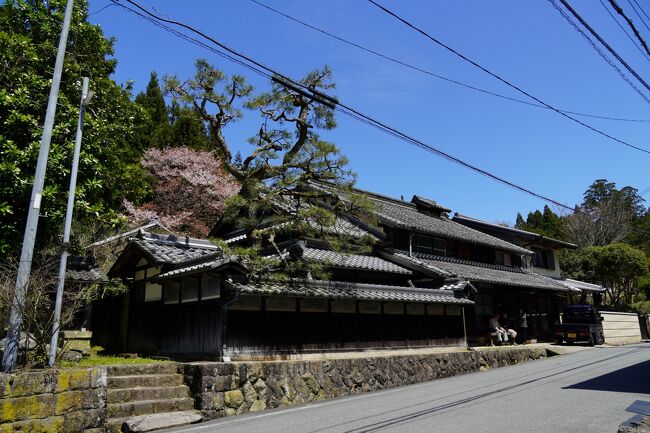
{"points": [[559, 341], [600, 339]]}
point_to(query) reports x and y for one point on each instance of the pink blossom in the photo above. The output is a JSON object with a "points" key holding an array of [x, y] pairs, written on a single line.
{"points": [[190, 190]]}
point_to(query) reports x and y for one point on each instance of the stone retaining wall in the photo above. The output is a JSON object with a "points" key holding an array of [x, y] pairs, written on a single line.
{"points": [[225, 389], [49, 401]]}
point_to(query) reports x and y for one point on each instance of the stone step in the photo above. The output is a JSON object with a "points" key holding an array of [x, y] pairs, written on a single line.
{"points": [[149, 380], [144, 407], [142, 369], [146, 423], [125, 395]]}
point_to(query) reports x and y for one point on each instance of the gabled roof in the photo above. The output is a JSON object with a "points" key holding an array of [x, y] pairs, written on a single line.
{"points": [[523, 234], [405, 215], [171, 250], [398, 213], [347, 290], [446, 267], [364, 262]]}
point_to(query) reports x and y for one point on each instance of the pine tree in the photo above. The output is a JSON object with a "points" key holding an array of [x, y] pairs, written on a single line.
{"points": [[157, 130]]}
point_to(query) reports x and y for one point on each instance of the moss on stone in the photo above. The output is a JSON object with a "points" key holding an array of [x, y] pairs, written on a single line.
{"points": [[233, 399], [22, 408], [46, 425], [68, 401], [73, 379]]}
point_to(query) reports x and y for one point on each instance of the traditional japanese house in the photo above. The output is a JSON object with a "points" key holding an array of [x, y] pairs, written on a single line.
{"points": [[421, 236], [428, 280], [189, 301], [546, 258]]}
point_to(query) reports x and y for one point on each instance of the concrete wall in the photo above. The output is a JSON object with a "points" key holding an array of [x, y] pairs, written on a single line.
{"points": [[49, 401], [621, 328], [225, 389]]}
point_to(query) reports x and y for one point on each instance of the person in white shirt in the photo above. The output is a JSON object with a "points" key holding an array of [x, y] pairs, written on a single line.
{"points": [[501, 334], [508, 325]]}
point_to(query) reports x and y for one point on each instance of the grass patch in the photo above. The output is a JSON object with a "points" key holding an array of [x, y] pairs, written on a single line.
{"points": [[109, 360]]}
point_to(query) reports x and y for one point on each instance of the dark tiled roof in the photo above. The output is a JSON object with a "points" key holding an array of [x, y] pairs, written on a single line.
{"points": [[428, 203], [353, 261], [463, 219], [484, 273], [346, 290], [174, 250], [340, 227], [405, 215], [94, 275], [399, 213], [199, 267], [84, 270]]}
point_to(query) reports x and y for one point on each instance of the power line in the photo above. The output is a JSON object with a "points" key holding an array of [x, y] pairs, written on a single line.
{"points": [[620, 26], [604, 43], [503, 80], [267, 72], [596, 48], [620, 11], [101, 9], [634, 2], [427, 72]]}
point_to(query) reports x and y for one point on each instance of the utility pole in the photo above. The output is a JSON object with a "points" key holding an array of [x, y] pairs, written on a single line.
{"points": [[25, 266], [85, 100]]}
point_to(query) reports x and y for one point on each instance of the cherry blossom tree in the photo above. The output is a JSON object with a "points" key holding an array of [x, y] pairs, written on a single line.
{"points": [[190, 188]]}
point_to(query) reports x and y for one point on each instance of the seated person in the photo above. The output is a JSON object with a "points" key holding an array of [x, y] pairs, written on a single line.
{"points": [[495, 328], [507, 324]]}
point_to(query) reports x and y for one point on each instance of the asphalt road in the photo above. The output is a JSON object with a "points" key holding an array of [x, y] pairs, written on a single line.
{"points": [[586, 391]]}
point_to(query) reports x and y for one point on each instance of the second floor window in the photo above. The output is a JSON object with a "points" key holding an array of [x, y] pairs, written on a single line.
{"points": [[544, 259], [429, 245], [502, 258]]}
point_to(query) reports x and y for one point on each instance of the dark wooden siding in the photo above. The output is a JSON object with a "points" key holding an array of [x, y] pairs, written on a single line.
{"points": [[177, 329], [267, 332]]}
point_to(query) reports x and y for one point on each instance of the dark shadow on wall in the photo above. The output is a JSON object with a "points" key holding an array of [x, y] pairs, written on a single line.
{"points": [[632, 379]]}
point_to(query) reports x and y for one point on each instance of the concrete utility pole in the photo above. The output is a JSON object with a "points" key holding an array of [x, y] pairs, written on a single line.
{"points": [[85, 100], [25, 266]]}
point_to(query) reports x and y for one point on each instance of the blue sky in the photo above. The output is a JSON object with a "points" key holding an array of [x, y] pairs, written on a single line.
{"points": [[528, 43]]}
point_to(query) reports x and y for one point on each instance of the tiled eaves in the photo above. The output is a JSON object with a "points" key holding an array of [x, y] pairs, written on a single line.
{"points": [[347, 290], [211, 265], [354, 261], [93, 275], [484, 273]]}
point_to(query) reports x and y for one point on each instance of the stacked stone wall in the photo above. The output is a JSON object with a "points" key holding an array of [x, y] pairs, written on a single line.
{"points": [[225, 389], [68, 401]]}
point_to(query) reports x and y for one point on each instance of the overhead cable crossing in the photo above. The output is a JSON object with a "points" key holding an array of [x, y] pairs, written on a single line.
{"points": [[279, 78], [619, 10], [503, 80], [620, 26], [596, 48], [634, 2], [604, 43], [430, 73]]}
